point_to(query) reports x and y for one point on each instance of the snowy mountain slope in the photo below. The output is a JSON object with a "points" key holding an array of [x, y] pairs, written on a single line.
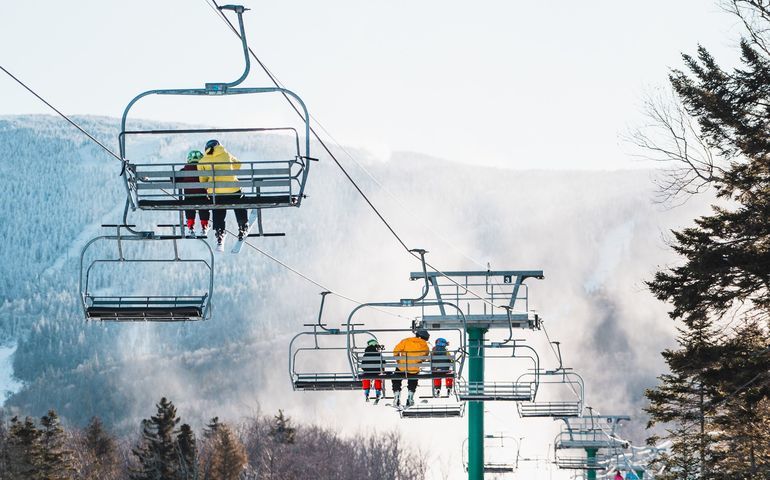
{"points": [[596, 235]]}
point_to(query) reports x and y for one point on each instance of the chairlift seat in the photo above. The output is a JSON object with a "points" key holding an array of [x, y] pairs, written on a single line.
{"points": [[587, 441], [496, 391], [432, 411], [549, 409], [169, 309], [247, 201], [325, 382], [499, 468], [580, 463]]}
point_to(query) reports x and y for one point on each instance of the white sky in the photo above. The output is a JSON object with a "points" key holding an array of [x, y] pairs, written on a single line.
{"points": [[549, 84]]}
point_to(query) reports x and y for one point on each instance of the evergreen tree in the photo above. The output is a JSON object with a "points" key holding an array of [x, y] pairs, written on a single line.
{"points": [[282, 430], [103, 461], [715, 401], [742, 420], [227, 454], [157, 451], [57, 461], [682, 401], [188, 453], [25, 453]]}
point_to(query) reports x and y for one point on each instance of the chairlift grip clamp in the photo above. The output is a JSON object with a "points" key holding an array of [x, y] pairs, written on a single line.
{"points": [[235, 8]]}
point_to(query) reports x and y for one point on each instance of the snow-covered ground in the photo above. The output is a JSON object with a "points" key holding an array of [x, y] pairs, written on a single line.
{"points": [[8, 383]]}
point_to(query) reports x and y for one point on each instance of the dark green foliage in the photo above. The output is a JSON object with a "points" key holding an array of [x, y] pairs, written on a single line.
{"points": [[100, 454], [57, 462], [99, 442], [157, 450], [252, 450], [282, 431], [714, 402], [25, 453], [188, 453]]}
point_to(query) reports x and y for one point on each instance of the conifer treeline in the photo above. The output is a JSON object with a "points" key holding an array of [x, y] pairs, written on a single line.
{"points": [[258, 448], [714, 405]]}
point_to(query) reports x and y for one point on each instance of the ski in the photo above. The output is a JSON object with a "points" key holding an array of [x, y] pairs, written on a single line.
{"points": [[239, 243]]}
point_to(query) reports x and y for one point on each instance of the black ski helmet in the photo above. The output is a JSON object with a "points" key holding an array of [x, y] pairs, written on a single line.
{"points": [[210, 146], [422, 333]]}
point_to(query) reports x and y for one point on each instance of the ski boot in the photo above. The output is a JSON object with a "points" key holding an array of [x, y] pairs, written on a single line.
{"points": [[397, 398], [366, 395], [220, 234], [436, 392], [243, 230], [377, 396], [410, 399], [204, 229]]}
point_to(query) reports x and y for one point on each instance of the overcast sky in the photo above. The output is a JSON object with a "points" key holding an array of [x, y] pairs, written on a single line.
{"points": [[546, 84], [539, 84]]}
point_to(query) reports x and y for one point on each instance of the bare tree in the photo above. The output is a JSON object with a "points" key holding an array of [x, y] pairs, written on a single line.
{"points": [[755, 15], [670, 136]]}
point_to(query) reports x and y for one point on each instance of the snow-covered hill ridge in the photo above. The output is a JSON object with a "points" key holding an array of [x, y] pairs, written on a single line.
{"points": [[597, 235]]}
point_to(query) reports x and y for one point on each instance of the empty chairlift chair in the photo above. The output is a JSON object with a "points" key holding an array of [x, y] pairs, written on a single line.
{"points": [[560, 394], [263, 182], [182, 285], [318, 358], [595, 435], [501, 454], [510, 358], [311, 354]]}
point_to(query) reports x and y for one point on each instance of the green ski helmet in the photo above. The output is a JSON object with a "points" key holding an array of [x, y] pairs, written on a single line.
{"points": [[372, 342], [194, 156]]}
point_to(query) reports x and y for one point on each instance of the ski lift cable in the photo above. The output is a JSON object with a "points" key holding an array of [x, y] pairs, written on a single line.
{"points": [[216, 9], [314, 282], [65, 117]]}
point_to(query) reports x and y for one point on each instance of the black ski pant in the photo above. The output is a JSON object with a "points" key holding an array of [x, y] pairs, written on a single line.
{"points": [[204, 215], [411, 384], [241, 215]]}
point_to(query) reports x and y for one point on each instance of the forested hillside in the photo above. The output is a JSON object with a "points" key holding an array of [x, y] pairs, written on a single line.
{"points": [[597, 235]]}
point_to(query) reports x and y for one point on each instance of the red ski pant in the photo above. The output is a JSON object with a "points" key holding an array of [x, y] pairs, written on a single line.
{"points": [[449, 382], [367, 384]]}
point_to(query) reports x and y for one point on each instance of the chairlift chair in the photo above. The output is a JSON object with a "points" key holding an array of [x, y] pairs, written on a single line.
{"points": [[263, 183], [591, 432], [315, 377], [492, 442], [312, 377], [132, 306], [518, 389], [547, 379]]}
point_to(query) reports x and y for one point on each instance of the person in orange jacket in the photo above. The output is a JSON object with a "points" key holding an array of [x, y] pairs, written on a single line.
{"points": [[410, 353], [216, 160]]}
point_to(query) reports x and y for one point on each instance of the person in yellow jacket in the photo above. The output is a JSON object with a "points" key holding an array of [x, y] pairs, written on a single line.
{"points": [[212, 166], [410, 353]]}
